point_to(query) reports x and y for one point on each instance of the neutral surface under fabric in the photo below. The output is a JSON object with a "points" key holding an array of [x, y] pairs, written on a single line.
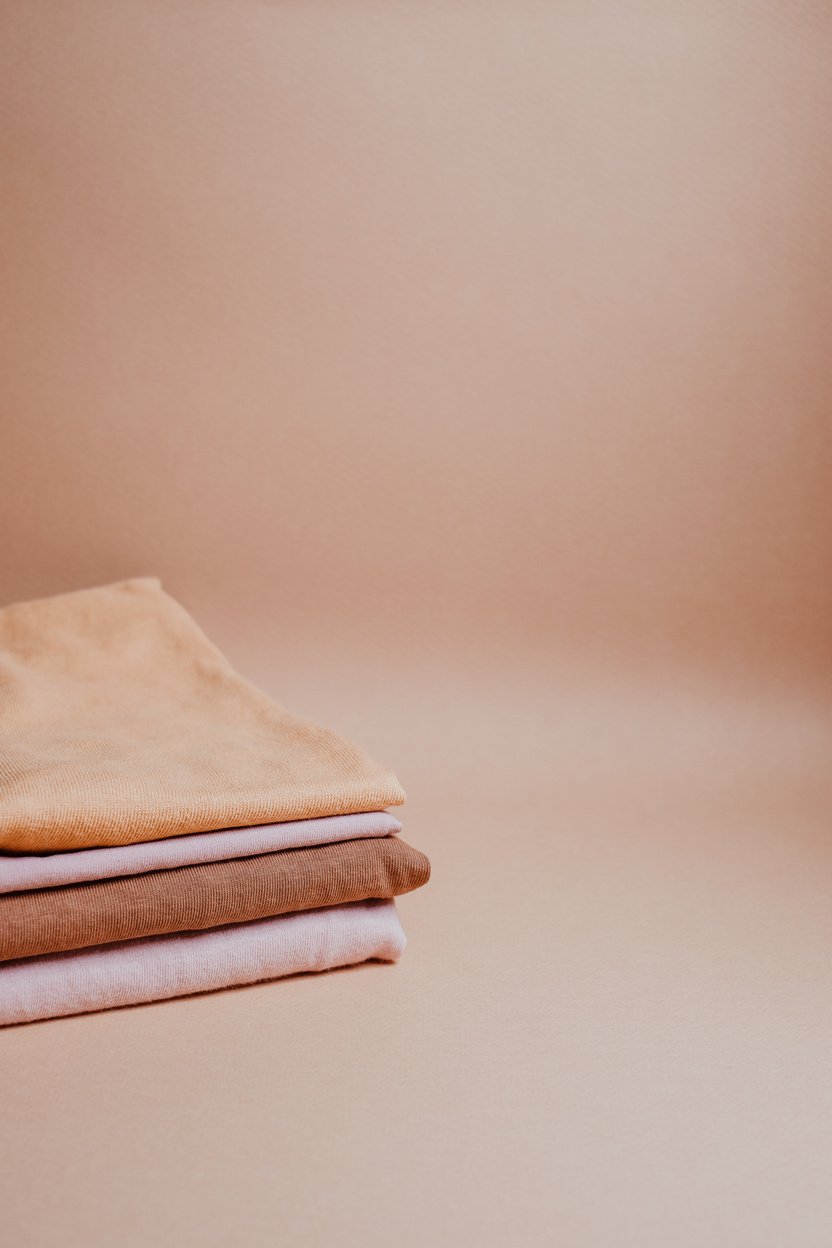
{"points": [[27, 871], [176, 966], [50, 920], [120, 722]]}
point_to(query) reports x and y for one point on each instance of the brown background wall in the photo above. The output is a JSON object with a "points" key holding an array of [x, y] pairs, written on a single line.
{"points": [[511, 318], [465, 369]]}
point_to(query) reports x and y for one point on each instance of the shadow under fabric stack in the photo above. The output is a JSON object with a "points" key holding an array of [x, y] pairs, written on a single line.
{"points": [[165, 828]]}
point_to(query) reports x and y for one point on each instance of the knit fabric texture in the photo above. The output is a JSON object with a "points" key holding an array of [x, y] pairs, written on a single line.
{"points": [[191, 898], [20, 872], [175, 966], [120, 722]]}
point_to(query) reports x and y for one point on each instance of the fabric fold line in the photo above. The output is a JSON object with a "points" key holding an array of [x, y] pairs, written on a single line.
{"points": [[192, 898], [23, 872], [163, 967]]}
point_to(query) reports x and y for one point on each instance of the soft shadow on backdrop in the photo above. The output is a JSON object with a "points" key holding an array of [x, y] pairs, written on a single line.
{"points": [[465, 369]]}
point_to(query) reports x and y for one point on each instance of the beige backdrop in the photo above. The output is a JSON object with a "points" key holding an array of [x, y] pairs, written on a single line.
{"points": [[465, 368]]}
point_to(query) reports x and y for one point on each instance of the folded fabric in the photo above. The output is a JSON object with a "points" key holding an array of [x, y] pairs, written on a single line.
{"points": [[120, 722], [176, 966], [49, 920], [26, 871]]}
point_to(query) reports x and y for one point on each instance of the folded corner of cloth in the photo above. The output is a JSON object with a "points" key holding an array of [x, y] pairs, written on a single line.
{"points": [[120, 722], [161, 967]]}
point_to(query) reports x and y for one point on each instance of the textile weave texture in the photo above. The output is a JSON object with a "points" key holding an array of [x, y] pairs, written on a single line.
{"points": [[26, 871], [177, 966], [51, 920], [120, 722]]}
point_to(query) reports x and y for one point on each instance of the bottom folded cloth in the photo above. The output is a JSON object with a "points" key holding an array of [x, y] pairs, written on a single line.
{"points": [[160, 967]]}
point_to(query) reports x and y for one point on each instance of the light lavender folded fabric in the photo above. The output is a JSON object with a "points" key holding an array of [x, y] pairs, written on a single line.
{"points": [[21, 872], [176, 966]]}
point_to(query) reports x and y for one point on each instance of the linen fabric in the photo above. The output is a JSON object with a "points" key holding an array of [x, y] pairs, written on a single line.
{"points": [[28, 871], [120, 722], [191, 898], [176, 966]]}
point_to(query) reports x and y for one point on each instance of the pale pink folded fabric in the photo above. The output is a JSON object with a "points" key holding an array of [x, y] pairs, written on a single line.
{"points": [[21, 872], [176, 966]]}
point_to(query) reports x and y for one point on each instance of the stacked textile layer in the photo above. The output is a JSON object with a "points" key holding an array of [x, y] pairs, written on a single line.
{"points": [[165, 828]]}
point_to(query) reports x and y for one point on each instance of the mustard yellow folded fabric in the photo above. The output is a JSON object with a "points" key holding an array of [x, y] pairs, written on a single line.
{"points": [[121, 722]]}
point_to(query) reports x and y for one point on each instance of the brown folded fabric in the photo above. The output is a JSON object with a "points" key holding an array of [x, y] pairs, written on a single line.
{"points": [[51, 920], [121, 722]]}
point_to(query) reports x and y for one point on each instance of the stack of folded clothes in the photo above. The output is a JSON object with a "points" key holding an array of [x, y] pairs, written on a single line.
{"points": [[165, 828]]}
